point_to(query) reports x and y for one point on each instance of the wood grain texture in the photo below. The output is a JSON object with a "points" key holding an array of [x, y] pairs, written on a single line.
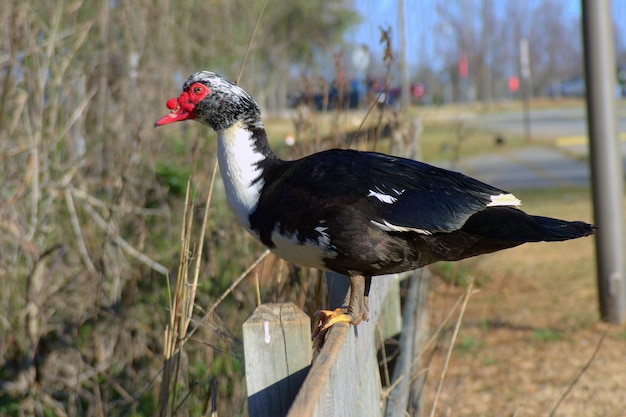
{"points": [[277, 348], [344, 378]]}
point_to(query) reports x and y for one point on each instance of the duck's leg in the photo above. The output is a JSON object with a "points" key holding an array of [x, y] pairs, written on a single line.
{"points": [[366, 299], [355, 313]]}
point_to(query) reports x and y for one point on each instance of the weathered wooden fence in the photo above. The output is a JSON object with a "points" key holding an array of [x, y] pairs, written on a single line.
{"points": [[343, 379]]}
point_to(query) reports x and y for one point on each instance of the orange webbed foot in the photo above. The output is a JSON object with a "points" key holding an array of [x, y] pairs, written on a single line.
{"points": [[326, 320]]}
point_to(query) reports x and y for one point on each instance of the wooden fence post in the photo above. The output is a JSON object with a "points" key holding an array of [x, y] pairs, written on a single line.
{"points": [[344, 379], [277, 349], [404, 398]]}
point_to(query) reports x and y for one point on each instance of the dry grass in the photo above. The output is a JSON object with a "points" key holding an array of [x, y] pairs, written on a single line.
{"points": [[531, 328]]}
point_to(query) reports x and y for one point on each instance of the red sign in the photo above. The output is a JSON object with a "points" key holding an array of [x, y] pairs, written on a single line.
{"points": [[513, 84], [463, 66], [417, 90]]}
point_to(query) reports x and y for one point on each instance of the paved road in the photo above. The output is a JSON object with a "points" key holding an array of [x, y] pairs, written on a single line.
{"points": [[544, 123], [534, 167], [537, 166]]}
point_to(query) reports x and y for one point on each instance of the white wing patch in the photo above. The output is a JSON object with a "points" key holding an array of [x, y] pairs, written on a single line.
{"points": [[324, 238], [384, 198], [388, 227], [504, 200], [310, 253]]}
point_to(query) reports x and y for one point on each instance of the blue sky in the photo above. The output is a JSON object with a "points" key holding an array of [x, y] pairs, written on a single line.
{"points": [[421, 16]]}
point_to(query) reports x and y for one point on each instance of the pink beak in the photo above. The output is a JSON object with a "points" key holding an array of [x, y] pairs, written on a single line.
{"points": [[178, 113]]}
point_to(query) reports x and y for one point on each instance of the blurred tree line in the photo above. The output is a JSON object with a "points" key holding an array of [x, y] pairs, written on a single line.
{"points": [[488, 34]]}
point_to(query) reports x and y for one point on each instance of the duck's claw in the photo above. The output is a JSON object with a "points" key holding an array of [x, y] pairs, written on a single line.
{"points": [[327, 319]]}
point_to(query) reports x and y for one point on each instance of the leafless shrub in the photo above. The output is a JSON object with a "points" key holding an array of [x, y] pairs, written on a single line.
{"points": [[89, 208]]}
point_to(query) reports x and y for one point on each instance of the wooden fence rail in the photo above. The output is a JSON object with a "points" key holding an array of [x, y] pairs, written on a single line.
{"points": [[342, 380]]}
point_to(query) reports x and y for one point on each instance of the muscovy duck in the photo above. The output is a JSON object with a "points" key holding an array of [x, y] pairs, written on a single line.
{"points": [[360, 214]]}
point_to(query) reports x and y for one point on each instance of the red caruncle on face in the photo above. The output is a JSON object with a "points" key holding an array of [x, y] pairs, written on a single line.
{"points": [[183, 108]]}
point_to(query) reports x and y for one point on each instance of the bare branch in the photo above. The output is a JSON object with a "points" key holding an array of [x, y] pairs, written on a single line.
{"points": [[82, 249], [130, 250]]}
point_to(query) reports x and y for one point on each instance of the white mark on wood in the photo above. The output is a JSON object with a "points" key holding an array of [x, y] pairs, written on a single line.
{"points": [[266, 329]]}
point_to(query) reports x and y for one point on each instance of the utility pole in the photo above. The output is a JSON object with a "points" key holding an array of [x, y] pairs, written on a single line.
{"points": [[606, 167]]}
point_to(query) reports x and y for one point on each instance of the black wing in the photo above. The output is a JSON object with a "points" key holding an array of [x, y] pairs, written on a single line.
{"points": [[404, 192], [392, 190]]}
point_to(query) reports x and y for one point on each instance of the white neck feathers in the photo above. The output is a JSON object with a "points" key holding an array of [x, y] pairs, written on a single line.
{"points": [[241, 173]]}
